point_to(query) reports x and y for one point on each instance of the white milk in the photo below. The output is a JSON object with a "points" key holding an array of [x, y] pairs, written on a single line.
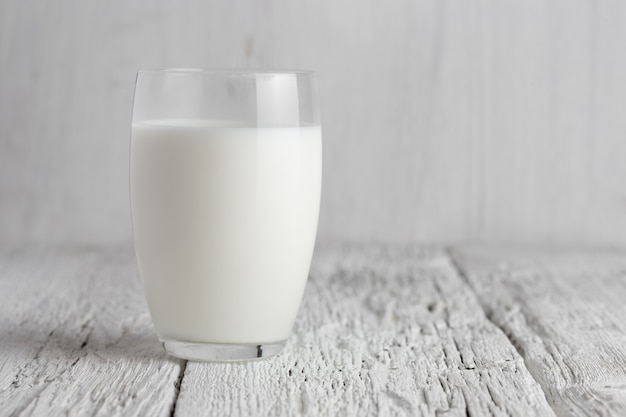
{"points": [[225, 222]]}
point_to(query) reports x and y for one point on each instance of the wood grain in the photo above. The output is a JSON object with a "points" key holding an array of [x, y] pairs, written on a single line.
{"points": [[383, 330], [565, 313], [76, 338], [380, 332], [443, 121]]}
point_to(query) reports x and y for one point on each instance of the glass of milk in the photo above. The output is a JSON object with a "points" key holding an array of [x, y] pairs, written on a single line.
{"points": [[225, 178]]}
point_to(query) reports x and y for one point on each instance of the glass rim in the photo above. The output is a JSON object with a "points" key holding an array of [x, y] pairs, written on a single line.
{"points": [[243, 72]]}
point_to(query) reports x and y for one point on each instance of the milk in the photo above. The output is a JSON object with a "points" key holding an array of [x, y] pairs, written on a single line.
{"points": [[225, 220]]}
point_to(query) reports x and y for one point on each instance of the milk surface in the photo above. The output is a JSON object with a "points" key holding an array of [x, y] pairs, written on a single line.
{"points": [[225, 220]]}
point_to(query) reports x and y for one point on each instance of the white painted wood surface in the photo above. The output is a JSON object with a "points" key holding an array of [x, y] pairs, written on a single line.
{"points": [[443, 121], [382, 331], [76, 338], [565, 312]]}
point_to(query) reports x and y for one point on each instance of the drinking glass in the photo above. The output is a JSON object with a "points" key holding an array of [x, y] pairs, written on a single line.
{"points": [[225, 180]]}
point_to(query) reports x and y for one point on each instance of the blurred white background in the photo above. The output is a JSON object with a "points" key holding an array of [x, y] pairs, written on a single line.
{"points": [[444, 121]]}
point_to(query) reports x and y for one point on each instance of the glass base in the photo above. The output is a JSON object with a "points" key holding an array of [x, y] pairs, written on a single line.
{"points": [[220, 352]]}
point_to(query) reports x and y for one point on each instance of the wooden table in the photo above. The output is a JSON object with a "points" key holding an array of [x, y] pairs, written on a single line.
{"points": [[401, 330]]}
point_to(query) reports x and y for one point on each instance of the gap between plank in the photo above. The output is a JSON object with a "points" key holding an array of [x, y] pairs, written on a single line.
{"points": [[457, 267], [178, 385]]}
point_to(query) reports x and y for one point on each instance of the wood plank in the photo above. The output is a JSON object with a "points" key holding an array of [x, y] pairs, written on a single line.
{"points": [[443, 121], [565, 312], [381, 332], [76, 337]]}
